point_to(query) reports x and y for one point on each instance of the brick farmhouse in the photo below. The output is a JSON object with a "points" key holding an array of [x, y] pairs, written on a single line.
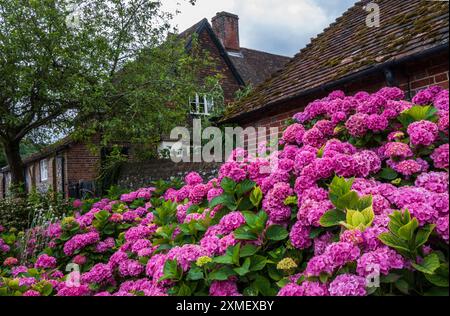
{"points": [[70, 168], [65, 167]]}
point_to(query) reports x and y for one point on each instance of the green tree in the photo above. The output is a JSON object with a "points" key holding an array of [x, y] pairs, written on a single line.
{"points": [[26, 148], [89, 67], [2, 159]]}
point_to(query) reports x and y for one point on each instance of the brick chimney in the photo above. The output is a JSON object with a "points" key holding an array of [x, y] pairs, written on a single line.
{"points": [[226, 27]]}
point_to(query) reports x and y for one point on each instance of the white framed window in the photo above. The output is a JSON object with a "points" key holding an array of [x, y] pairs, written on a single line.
{"points": [[43, 169], [201, 105]]}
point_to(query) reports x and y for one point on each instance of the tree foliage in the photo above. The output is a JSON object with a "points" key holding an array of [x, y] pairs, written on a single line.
{"points": [[26, 148], [89, 66]]}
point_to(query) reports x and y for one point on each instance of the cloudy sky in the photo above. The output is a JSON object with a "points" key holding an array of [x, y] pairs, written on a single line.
{"points": [[277, 26]]}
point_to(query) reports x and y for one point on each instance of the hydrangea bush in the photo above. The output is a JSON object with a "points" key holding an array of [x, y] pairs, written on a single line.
{"points": [[357, 204]]}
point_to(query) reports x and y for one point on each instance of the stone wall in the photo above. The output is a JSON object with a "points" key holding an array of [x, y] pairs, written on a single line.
{"points": [[134, 175]]}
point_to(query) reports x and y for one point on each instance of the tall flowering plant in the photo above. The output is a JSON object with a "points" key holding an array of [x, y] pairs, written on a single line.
{"points": [[357, 205]]}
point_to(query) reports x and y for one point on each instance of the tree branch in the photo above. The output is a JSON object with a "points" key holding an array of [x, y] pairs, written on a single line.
{"points": [[119, 43], [41, 122]]}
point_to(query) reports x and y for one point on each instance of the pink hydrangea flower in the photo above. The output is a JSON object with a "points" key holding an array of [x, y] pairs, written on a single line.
{"points": [[80, 241], [79, 259], [299, 236], [348, 285], [294, 134], [186, 254], [397, 150], [193, 179], [408, 167], [307, 288], [423, 133], [45, 262], [10, 261], [381, 260], [224, 288], [31, 293], [440, 157], [100, 274]]}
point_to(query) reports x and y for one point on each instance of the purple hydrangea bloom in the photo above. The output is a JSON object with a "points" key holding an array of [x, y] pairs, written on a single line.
{"points": [[193, 179], [224, 288], [130, 268], [307, 288], [105, 245], [294, 134], [231, 221], [45, 262], [299, 236], [100, 274], [408, 167], [382, 260], [440, 157], [314, 137], [433, 181], [348, 285], [423, 133], [397, 150], [356, 125], [377, 123], [78, 242], [186, 255]]}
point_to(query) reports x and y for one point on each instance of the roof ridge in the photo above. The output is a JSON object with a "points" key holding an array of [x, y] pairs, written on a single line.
{"points": [[264, 52]]}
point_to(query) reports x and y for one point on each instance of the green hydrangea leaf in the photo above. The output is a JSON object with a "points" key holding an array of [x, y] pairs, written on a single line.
{"points": [[332, 218], [429, 265]]}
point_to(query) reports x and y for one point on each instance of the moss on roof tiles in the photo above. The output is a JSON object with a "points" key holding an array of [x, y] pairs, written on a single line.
{"points": [[348, 46]]}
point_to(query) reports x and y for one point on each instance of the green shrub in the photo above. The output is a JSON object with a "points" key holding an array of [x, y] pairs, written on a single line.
{"points": [[14, 212], [20, 212]]}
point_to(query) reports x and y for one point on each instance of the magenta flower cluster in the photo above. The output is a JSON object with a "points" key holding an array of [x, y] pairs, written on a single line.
{"points": [[359, 136], [79, 242]]}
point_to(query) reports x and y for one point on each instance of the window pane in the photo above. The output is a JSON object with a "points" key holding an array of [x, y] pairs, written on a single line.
{"points": [[194, 104], [210, 105], [201, 105]]}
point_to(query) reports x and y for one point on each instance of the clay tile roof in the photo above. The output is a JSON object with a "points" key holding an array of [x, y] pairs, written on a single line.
{"points": [[255, 66], [348, 47]]}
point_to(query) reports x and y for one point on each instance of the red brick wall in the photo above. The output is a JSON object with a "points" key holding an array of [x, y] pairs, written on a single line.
{"points": [[419, 75], [81, 164], [229, 83], [411, 77]]}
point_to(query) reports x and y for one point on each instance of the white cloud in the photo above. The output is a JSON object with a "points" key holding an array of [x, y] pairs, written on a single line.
{"points": [[278, 26], [267, 25]]}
